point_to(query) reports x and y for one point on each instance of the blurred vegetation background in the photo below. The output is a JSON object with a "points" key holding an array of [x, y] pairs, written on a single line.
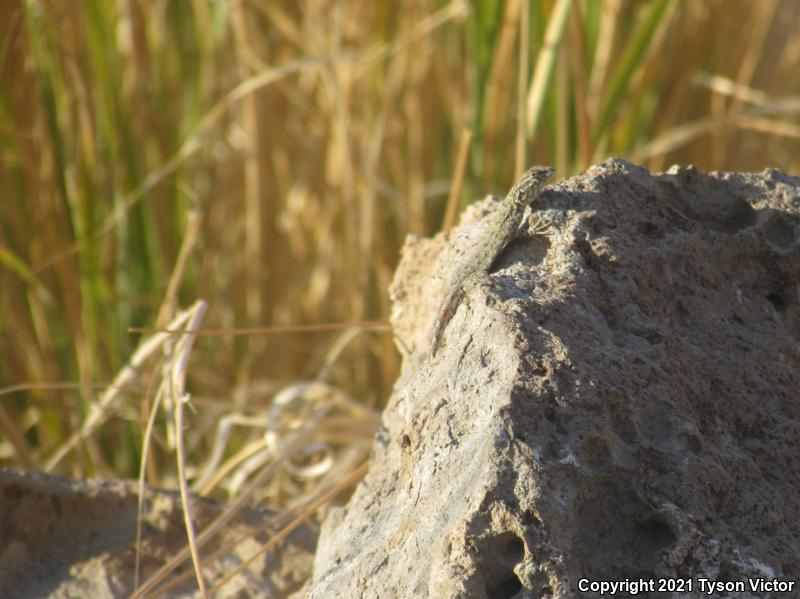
{"points": [[288, 148]]}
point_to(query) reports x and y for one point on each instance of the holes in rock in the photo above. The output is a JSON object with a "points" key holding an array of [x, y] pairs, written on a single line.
{"points": [[619, 534], [505, 589], [777, 302], [778, 231], [786, 306], [690, 442], [537, 367], [738, 215], [653, 337], [594, 453], [655, 533], [540, 586], [710, 202], [498, 557], [584, 249], [650, 230], [531, 519]]}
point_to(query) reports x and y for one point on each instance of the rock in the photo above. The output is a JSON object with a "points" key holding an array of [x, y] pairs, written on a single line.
{"points": [[75, 538], [621, 400]]}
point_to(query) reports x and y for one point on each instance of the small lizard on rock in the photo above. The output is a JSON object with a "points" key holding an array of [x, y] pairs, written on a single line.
{"points": [[502, 227]]}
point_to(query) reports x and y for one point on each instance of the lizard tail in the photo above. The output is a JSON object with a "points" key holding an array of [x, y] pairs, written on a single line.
{"points": [[446, 310]]}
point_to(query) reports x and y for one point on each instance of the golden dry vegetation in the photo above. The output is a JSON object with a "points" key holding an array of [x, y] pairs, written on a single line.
{"points": [[270, 157]]}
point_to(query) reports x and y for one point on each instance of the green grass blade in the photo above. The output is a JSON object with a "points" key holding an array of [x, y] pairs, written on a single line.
{"points": [[545, 65], [631, 60]]}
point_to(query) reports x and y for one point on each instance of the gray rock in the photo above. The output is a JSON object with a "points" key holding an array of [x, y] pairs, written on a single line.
{"points": [[620, 400], [62, 538]]}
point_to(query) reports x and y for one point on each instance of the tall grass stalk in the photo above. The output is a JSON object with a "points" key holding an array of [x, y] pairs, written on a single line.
{"points": [[309, 139]]}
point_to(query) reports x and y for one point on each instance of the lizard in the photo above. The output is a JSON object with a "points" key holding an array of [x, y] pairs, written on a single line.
{"points": [[501, 229]]}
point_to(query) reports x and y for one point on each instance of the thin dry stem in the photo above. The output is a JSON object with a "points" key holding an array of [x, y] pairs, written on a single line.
{"points": [[320, 500], [458, 180], [99, 410], [295, 441]]}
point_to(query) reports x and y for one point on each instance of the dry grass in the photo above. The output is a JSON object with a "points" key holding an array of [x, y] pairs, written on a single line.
{"points": [[270, 158]]}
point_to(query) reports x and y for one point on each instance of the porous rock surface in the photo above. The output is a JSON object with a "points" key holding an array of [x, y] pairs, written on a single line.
{"points": [[621, 399], [62, 538]]}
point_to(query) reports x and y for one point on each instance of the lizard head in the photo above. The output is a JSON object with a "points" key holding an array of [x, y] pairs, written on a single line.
{"points": [[530, 184]]}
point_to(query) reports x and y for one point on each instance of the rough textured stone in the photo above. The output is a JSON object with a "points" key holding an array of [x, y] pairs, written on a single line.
{"points": [[75, 538], [620, 400]]}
